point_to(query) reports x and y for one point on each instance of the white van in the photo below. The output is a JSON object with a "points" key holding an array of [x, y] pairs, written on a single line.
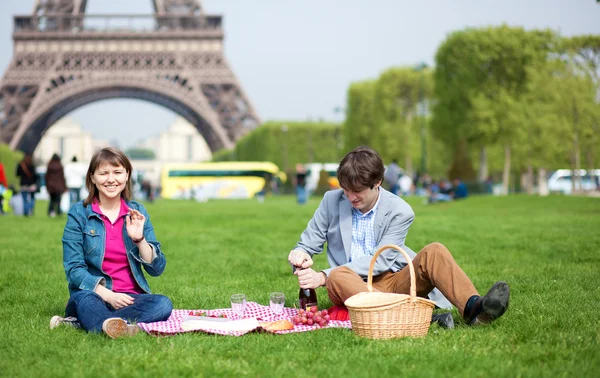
{"points": [[313, 171], [561, 180]]}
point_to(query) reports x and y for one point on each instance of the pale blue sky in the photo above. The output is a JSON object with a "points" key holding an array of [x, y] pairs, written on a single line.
{"points": [[295, 59]]}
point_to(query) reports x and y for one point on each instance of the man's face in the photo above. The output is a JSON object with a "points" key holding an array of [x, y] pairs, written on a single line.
{"points": [[365, 199]]}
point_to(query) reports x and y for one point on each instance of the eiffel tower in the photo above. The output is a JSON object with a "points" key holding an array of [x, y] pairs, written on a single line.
{"points": [[64, 59]]}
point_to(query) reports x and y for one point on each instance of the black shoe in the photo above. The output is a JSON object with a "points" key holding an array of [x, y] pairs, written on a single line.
{"points": [[489, 307], [445, 320]]}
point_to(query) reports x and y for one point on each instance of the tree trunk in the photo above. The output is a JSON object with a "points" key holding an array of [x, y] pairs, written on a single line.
{"points": [[530, 181], [462, 166], [542, 182], [592, 170], [523, 181], [409, 166], [483, 166], [575, 177], [506, 172]]}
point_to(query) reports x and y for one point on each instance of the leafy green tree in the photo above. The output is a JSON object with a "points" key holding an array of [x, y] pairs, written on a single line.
{"points": [[289, 143], [400, 95], [10, 159], [360, 115], [224, 155], [481, 76], [140, 154], [583, 53]]}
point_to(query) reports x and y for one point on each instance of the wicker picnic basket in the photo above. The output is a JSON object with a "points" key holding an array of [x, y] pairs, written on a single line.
{"points": [[377, 315]]}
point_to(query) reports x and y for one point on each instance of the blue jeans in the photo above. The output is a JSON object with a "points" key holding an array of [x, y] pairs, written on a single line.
{"points": [[91, 310], [28, 202], [301, 194], [73, 196]]}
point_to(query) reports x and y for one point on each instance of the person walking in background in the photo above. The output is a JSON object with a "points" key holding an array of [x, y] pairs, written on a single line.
{"points": [[16, 201], [28, 180], [405, 183], [301, 184], [75, 176], [3, 187], [391, 176], [3, 180], [362, 217], [107, 240], [55, 185]]}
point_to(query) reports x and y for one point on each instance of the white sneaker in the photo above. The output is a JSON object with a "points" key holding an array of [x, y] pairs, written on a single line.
{"points": [[69, 320]]}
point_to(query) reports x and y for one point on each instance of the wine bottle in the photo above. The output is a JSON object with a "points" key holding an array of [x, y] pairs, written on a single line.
{"points": [[307, 298]]}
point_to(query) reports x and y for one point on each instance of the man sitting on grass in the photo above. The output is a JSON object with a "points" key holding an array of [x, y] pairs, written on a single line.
{"points": [[356, 221]]}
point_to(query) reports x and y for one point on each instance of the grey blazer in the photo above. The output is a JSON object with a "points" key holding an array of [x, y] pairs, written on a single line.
{"points": [[332, 223]]}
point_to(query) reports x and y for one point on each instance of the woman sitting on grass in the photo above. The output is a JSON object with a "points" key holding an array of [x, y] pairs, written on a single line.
{"points": [[107, 240]]}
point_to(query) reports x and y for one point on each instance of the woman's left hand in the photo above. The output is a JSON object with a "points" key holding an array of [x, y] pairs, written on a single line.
{"points": [[135, 224]]}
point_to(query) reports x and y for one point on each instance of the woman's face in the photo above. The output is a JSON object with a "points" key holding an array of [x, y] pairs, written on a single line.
{"points": [[110, 181]]}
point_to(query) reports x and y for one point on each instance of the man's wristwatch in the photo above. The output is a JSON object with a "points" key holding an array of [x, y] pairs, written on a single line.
{"points": [[325, 276]]}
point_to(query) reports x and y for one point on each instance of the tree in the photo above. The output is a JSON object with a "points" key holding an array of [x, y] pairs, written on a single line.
{"points": [[360, 116], [10, 159], [583, 53], [481, 75], [399, 93], [140, 153], [289, 143]]}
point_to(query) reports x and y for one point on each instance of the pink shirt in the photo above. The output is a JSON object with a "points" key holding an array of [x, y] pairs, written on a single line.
{"points": [[115, 262]]}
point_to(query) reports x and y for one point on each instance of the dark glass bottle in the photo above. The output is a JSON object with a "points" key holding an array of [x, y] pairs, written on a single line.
{"points": [[307, 298]]}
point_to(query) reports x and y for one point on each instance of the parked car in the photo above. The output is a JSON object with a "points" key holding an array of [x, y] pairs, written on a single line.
{"points": [[561, 181]]}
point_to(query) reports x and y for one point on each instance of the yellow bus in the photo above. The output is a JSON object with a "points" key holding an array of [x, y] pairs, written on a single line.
{"points": [[229, 179]]}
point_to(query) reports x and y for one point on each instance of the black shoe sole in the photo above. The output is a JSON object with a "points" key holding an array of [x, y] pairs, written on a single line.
{"points": [[495, 303]]}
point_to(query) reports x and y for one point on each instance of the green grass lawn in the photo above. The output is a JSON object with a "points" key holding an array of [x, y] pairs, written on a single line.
{"points": [[546, 248]]}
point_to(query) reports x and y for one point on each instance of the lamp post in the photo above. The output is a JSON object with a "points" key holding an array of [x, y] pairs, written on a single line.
{"points": [[421, 67]]}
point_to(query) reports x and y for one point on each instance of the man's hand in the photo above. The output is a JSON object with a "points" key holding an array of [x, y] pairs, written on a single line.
{"points": [[309, 279], [300, 259], [119, 300]]}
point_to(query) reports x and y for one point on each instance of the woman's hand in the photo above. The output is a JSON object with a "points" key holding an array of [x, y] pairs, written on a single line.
{"points": [[119, 300], [135, 224]]}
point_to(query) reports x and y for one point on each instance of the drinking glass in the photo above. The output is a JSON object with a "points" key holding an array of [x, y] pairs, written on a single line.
{"points": [[276, 301], [238, 304]]}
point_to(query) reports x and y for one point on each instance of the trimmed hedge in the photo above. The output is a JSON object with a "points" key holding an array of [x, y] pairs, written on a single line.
{"points": [[287, 144], [10, 159]]}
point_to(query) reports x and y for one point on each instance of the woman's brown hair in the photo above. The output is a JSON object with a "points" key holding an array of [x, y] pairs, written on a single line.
{"points": [[115, 158], [361, 168]]}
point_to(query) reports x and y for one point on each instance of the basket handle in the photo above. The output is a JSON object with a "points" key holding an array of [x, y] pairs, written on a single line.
{"points": [[413, 283]]}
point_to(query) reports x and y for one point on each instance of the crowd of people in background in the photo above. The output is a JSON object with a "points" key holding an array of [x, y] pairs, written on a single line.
{"points": [[65, 185], [62, 183], [423, 185], [398, 182]]}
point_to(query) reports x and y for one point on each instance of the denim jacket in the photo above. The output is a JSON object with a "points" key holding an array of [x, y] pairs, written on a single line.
{"points": [[84, 241]]}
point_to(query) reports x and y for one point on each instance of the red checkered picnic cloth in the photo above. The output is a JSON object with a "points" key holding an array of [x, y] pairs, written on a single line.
{"points": [[172, 326]]}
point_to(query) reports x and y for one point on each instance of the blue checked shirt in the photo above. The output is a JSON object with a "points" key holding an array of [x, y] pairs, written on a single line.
{"points": [[363, 236]]}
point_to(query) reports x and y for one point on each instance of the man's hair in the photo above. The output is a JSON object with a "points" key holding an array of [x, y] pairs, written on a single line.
{"points": [[361, 168], [115, 158]]}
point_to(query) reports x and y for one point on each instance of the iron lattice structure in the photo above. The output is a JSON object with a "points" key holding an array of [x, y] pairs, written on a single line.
{"points": [[64, 59]]}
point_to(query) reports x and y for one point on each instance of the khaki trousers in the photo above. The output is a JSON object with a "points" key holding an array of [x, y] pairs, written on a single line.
{"points": [[434, 267]]}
